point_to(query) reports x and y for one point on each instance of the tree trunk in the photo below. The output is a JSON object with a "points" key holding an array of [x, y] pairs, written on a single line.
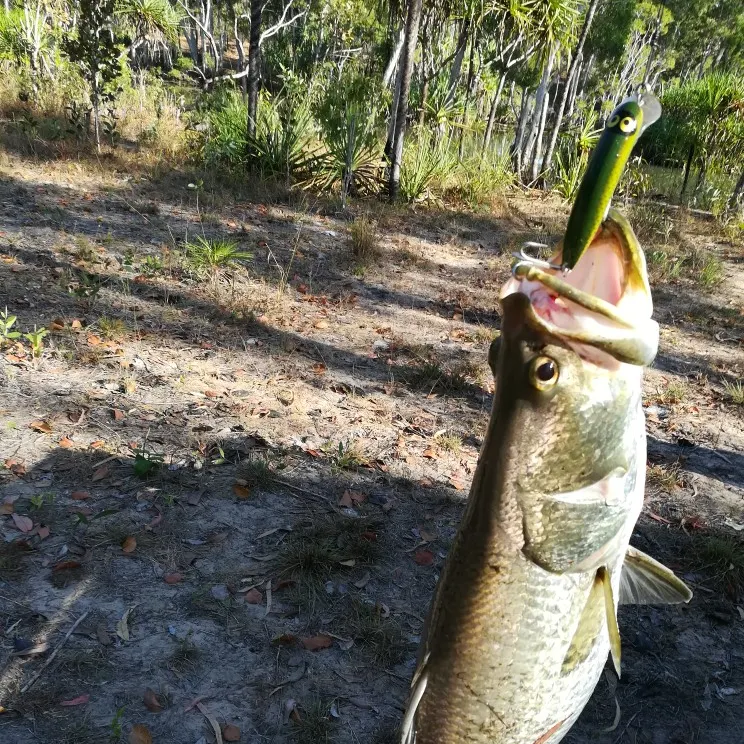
{"points": [[737, 197], [537, 156], [492, 113], [537, 115], [574, 88], [521, 126], [468, 86], [688, 168], [254, 60], [456, 69], [587, 72], [572, 70], [413, 18], [393, 116], [394, 57]]}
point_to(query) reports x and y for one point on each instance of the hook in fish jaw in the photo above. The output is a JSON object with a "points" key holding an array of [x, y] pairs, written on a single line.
{"points": [[526, 258]]}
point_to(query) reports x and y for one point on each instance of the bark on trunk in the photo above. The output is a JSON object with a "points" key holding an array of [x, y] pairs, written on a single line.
{"points": [[537, 165], [737, 197], [253, 64], [394, 57], [521, 126], [540, 96], [468, 87], [688, 168], [572, 70], [492, 112], [456, 70], [574, 88], [413, 18]]}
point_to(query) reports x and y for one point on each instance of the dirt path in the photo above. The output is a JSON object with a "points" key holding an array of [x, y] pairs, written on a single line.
{"points": [[309, 431]]}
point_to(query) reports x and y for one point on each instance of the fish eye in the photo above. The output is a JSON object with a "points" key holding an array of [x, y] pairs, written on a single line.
{"points": [[628, 124], [613, 121], [543, 372]]}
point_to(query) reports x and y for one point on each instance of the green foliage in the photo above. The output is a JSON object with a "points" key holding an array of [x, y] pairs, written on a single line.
{"points": [[36, 339], [212, 254], [426, 161], [6, 324]]}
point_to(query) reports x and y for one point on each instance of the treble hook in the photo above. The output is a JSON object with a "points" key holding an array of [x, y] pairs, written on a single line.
{"points": [[532, 260]]}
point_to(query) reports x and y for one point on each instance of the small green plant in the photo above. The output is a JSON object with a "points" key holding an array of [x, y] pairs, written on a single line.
{"points": [[84, 250], [212, 254], [6, 323], [675, 392], [711, 272], [257, 472], [38, 500], [36, 339], [374, 630], [450, 442], [345, 456], [112, 328], [425, 163], [146, 462], [152, 266], [116, 725], [313, 723], [735, 391], [363, 240]]}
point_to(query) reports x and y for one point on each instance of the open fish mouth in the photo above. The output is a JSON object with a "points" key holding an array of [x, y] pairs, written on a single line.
{"points": [[603, 306]]}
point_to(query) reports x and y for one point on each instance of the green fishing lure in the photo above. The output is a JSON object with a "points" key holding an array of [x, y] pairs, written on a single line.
{"points": [[622, 130]]}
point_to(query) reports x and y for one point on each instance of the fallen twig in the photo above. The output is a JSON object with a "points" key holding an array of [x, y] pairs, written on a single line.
{"points": [[54, 653]]}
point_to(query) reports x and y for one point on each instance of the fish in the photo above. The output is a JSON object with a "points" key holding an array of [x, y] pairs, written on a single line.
{"points": [[621, 131], [524, 616]]}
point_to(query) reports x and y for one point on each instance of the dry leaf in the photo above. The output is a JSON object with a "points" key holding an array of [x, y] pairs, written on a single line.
{"points": [[58, 324], [76, 325], [230, 732], [129, 545], [118, 414], [242, 492], [43, 427], [122, 627], [431, 453], [152, 701], [79, 495], [101, 473], [254, 597], [139, 734], [427, 536], [15, 467], [424, 557], [6, 509], [457, 483], [321, 324], [319, 369], [24, 524], [173, 578], [80, 700], [317, 642], [44, 532], [66, 442], [103, 635], [66, 566], [212, 394], [345, 500], [285, 639], [93, 340], [97, 444]]}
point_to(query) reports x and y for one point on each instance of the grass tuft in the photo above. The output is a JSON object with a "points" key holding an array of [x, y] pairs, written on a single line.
{"points": [[312, 724], [209, 255], [381, 636], [363, 240], [735, 391]]}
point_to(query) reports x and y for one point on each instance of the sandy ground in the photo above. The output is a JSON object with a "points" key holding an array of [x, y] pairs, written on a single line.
{"points": [[244, 485]]}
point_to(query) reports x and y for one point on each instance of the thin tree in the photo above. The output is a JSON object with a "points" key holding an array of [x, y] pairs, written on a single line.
{"points": [[413, 18], [254, 60], [573, 70]]}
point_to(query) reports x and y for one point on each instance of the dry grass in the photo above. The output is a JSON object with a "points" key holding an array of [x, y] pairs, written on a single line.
{"points": [[363, 240], [376, 631], [664, 477]]}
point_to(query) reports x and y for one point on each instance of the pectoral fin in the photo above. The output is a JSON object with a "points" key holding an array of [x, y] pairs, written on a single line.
{"points": [[646, 581], [603, 574]]}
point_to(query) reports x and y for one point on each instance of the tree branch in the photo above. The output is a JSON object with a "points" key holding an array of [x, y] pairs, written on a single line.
{"points": [[281, 23]]}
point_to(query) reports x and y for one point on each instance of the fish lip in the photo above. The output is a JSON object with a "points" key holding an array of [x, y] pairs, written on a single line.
{"points": [[630, 337]]}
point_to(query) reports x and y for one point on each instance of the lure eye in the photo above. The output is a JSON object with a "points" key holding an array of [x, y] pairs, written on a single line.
{"points": [[543, 373], [613, 121], [628, 124]]}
